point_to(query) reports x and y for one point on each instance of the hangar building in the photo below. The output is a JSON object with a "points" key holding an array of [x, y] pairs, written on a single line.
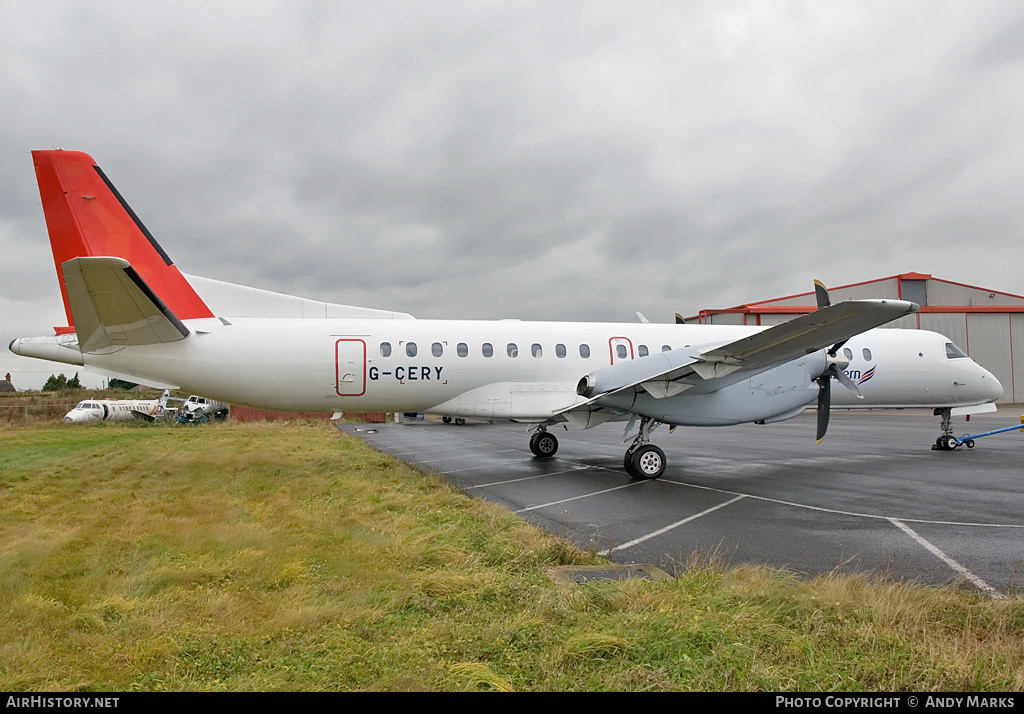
{"points": [[987, 324]]}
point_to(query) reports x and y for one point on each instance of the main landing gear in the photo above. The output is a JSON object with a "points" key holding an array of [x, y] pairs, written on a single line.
{"points": [[543, 443], [643, 460]]}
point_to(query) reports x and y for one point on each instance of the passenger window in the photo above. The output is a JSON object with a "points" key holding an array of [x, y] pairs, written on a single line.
{"points": [[642, 350], [584, 351], [666, 348], [385, 349], [867, 354], [410, 349], [488, 350], [462, 349], [559, 350], [620, 351], [953, 352], [536, 350], [512, 350], [847, 353], [436, 349]]}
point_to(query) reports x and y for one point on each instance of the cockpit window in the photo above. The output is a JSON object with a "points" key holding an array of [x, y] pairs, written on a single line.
{"points": [[953, 352]]}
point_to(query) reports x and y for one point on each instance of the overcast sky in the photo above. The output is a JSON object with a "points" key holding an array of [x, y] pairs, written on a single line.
{"points": [[543, 160]]}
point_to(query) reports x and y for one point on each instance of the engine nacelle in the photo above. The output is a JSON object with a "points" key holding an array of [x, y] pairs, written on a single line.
{"points": [[635, 371]]}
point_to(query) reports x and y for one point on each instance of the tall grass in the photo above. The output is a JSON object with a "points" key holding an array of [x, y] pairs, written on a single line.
{"points": [[291, 557]]}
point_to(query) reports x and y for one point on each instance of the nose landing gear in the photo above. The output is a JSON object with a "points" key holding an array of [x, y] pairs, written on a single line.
{"points": [[947, 441]]}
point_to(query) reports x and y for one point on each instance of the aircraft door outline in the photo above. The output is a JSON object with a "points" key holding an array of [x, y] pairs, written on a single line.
{"points": [[615, 354], [350, 367]]}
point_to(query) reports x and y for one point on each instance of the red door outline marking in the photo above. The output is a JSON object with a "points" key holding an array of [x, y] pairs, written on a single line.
{"points": [[350, 360], [612, 341]]}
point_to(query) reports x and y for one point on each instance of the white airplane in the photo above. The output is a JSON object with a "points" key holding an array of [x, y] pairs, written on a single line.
{"points": [[96, 410], [133, 315]]}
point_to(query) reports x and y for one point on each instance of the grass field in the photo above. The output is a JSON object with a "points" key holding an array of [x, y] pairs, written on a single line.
{"points": [[292, 557]]}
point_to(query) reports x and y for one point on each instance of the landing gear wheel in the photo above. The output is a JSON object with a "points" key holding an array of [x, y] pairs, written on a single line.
{"points": [[543, 444], [949, 442], [446, 419], [646, 462], [969, 443], [459, 421]]}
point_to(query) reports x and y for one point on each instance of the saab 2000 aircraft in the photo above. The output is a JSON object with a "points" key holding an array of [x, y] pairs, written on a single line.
{"points": [[133, 315]]}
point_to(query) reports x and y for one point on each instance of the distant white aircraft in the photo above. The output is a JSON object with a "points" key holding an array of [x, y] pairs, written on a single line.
{"points": [[94, 410], [197, 408], [133, 315]]}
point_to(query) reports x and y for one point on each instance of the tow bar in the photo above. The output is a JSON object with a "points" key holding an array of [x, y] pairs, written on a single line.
{"points": [[968, 439]]}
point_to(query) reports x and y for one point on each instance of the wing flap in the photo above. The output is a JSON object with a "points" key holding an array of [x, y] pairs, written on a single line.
{"points": [[113, 307]]}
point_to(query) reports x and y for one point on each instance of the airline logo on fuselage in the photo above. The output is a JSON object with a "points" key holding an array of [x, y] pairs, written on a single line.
{"points": [[859, 377]]}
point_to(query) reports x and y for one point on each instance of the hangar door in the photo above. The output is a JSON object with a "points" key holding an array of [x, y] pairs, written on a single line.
{"points": [[350, 363]]}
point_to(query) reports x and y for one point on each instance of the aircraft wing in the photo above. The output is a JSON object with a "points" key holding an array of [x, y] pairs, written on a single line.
{"points": [[714, 367], [113, 307], [800, 336]]}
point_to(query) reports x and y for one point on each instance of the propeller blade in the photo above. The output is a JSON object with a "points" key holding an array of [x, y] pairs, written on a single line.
{"points": [[821, 294], [841, 377], [824, 404], [834, 350]]}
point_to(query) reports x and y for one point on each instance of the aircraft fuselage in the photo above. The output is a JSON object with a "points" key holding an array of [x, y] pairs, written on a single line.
{"points": [[509, 369]]}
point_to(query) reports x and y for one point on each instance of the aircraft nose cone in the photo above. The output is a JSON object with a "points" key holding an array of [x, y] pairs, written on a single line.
{"points": [[988, 386], [993, 389]]}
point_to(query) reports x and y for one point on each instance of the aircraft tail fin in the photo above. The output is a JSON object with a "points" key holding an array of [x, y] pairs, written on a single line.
{"points": [[113, 307], [87, 217]]}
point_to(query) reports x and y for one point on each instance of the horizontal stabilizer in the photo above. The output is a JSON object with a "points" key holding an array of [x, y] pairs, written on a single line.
{"points": [[113, 307]]}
